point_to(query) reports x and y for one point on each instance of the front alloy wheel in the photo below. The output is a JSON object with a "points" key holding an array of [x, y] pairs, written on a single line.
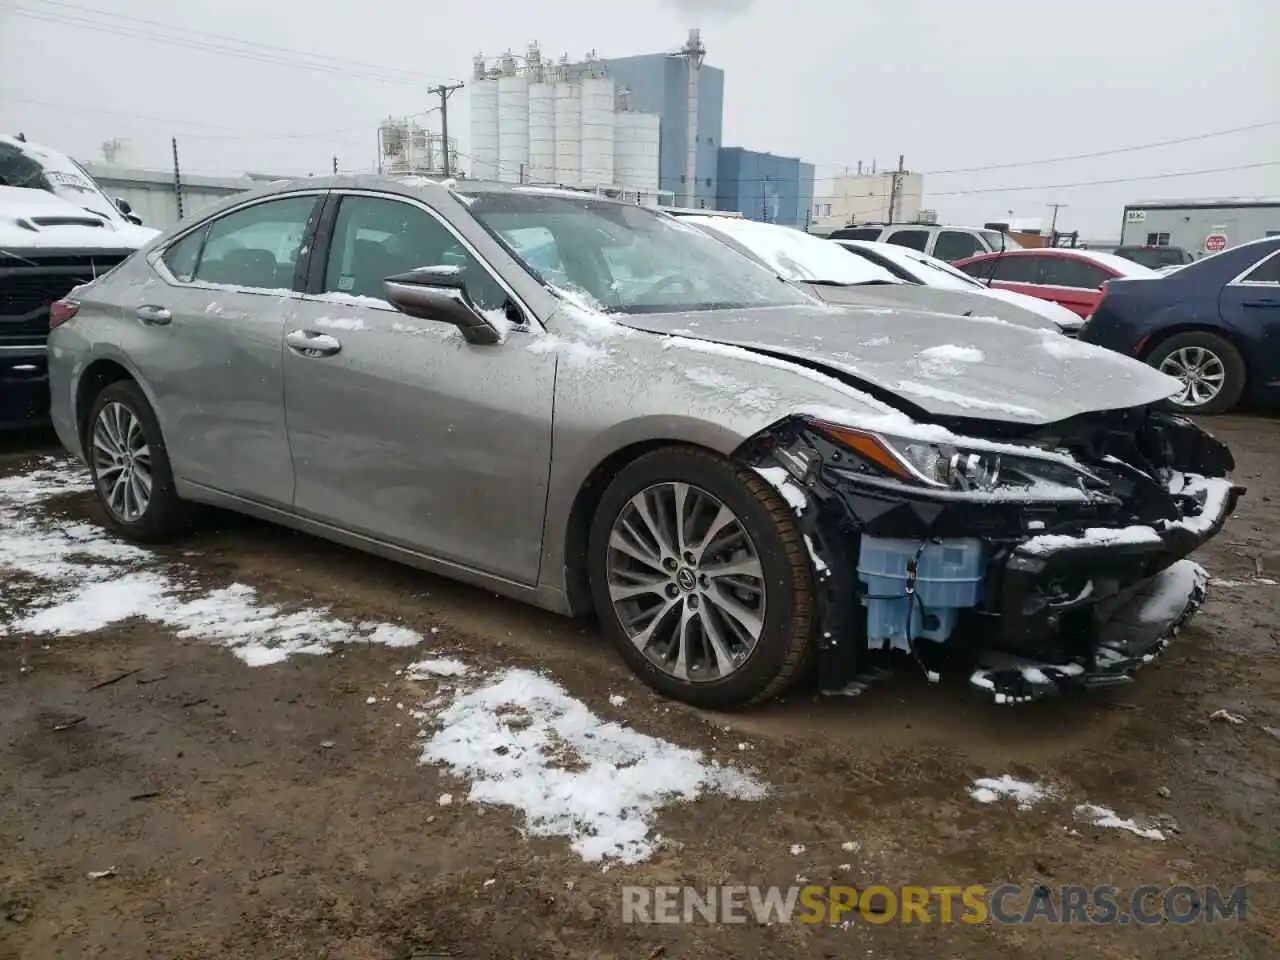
{"points": [[1209, 367], [701, 578], [686, 582], [122, 462]]}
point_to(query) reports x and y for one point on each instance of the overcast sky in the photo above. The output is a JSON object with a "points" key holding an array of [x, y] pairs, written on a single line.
{"points": [[950, 85]]}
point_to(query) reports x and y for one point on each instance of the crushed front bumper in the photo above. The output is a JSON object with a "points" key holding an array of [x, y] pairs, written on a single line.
{"points": [[1082, 606]]}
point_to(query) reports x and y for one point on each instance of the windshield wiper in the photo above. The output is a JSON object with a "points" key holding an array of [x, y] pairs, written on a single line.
{"points": [[850, 283]]}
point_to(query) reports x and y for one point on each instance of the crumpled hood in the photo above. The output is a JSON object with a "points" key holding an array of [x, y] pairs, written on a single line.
{"points": [[914, 296], [971, 367], [36, 219]]}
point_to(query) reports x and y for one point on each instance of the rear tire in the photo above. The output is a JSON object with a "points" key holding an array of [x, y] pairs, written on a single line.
{"points": [[130, 467], [741, 586], [1210, 367]]}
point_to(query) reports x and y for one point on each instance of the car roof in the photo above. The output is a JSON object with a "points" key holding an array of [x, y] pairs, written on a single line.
{"points": [[1111, 261]]}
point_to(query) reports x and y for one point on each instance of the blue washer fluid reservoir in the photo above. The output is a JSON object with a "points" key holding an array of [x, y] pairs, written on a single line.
{"points": [[949, 578]]}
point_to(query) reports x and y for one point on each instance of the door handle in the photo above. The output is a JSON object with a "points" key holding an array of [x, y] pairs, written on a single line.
{"points": [[152, 315], [312, 344], [1269, 302]]}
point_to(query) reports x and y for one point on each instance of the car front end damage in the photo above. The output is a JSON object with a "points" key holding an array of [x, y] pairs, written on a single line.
{"points": [[1054, 558]]}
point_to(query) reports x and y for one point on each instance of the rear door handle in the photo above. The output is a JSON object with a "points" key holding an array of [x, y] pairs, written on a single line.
{"points": [[152, 315], [308, 343], [1270, 302]]}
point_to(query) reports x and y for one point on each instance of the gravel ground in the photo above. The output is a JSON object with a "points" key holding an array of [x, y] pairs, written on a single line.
{"points": [[282, 810]]}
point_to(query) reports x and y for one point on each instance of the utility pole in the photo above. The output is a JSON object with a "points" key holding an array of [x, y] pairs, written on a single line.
{"points": [[896, 189], [443, 92], [177, 178], [1053, 225]]}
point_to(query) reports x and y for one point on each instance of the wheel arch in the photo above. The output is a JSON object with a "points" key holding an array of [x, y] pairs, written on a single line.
{"points": [[1157, 337], [96, 377], [589, 471]]}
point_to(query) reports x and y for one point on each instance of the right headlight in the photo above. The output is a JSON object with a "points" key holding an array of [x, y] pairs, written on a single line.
{"points": [[1003, 470]]}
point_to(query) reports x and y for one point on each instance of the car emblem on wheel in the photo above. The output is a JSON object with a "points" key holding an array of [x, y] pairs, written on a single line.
{"points": [[685, 579]]}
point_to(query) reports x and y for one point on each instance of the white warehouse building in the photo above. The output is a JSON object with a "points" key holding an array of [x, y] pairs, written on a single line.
{"points": [[553, 123]]}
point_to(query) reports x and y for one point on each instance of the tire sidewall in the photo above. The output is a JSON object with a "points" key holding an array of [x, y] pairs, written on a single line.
{"points": [[721, 479], [157, 520], [1233, 366]]}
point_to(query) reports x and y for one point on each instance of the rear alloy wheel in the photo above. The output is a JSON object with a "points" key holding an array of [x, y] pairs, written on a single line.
{"points": [[1210, 368], [130, 466], [701, 579]]}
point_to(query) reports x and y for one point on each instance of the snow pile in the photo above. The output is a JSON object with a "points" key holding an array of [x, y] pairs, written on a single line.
{"points": [[1026, 795], [523, 742], [98, 581], [1106, 817], [947, 360]]}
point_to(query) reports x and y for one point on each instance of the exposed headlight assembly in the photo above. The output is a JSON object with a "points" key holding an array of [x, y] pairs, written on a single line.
{"points": [[952, 470]]}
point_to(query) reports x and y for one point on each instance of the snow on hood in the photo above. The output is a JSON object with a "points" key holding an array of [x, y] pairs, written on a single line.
{"points": [[32, 218], [953, 303], [1055, 312], [1024, 376]]}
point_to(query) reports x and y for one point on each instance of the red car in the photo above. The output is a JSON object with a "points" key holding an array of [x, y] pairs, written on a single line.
{"points": [[1073, 278]]}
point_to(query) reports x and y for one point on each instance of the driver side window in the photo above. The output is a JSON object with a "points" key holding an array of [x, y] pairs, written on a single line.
{"points": [[375, 238]]}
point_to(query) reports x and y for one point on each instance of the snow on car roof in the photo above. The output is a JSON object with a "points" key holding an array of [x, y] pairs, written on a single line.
{"points": [[794, 254]]}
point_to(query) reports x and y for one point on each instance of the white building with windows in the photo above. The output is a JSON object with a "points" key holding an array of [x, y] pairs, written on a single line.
{"points": [[864, 198]]}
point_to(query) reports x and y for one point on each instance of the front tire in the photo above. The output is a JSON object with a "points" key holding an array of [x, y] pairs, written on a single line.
{"points": [[701, 579], [130, 466], [1212, 372]]}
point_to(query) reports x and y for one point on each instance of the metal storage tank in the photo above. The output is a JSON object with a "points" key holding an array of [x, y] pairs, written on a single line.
{"points": [[568, 133], [513, 128], [597, 131], [636, 150], [484, 129], [542, 134]]}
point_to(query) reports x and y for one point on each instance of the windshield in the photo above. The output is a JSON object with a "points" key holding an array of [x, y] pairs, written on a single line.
{"points": [[797, 256], [993, 237], [29, 165], [920, 267], [626, 258]]}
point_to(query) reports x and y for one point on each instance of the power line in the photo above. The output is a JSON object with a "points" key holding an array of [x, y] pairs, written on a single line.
{"points": [[1104, 153], [267, 55], [1100, 183], [243, 133]]}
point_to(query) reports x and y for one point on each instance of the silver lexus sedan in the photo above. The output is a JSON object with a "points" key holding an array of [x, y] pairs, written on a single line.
{"points": [[592, 407]]}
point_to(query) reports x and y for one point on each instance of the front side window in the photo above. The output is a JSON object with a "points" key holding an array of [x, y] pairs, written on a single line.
{"points": [[913, 239], [955, 245], [626, 258], [375, 238], [258, 246], [1000, 241]]}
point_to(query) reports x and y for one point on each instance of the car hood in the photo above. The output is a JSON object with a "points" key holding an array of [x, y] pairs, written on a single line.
{"points": [[933, 364], [914, 296], [32, 219]]}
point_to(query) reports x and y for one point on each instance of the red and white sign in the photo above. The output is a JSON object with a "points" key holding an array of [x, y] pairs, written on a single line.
{"points": [[1215, 242]]}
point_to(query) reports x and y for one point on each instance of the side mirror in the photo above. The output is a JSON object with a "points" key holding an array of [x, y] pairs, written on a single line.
{"points": [[440, 294], [124, 206]]}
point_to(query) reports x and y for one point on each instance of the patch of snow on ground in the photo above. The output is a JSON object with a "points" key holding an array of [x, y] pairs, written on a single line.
{"points": [[98, 580], [1106, 817], [444, 667], [523, 742], [1026, 795]]}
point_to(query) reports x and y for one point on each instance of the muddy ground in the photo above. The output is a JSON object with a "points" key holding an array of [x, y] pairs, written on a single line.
{"points": [[272, 812]]}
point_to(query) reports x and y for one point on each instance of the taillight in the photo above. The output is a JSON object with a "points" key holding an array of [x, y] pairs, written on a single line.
{"points": [[61, 311]]}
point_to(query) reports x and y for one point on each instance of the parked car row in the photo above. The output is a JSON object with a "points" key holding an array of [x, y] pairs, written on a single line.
{"points": [[595, 407]]}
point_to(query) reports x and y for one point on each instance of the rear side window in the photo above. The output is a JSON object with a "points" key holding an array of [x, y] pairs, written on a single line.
{"points": [[182, 257], [857, 233], [1268, 271], [1072, 272], [955, 245], [259, 246], [915, 239], [1012, 269]]}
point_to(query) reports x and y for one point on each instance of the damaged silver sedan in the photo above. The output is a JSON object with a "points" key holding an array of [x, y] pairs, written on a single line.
{"points": [[595, 408]]}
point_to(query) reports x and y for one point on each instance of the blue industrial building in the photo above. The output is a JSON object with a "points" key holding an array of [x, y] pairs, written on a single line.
{"points": [[763, 186]]}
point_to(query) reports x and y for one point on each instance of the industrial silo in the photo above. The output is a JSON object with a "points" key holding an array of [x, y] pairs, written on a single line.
{"points": [[542, 133], [513, 125], [597, 131], [636, 150], [567, 98], [483, 92]]}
